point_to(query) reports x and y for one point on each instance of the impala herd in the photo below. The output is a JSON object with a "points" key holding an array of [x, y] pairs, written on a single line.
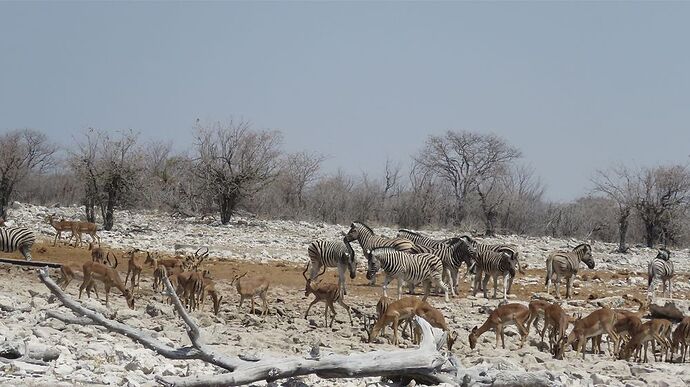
{"points": [[624, 328]]}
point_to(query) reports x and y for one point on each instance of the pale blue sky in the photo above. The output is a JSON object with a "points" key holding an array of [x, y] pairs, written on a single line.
{"points": [[575, 86]]}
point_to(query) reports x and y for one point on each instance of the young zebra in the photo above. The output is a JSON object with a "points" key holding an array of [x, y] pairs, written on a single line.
{"points": [[453, 257], [567, 264], [483, 248], [660, 267], [369, 241], [412, 268], [332, 254], [17, 238], [493, 264]]}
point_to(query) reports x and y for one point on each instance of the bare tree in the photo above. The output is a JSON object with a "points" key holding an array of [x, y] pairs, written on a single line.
{"points": [[523, 205], [463, 159], [110, 168], [661, 191], [21, 153], [235, 162], [618, 183]]}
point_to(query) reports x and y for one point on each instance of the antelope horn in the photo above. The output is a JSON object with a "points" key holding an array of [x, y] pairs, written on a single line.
{"points": [[304, 273]]}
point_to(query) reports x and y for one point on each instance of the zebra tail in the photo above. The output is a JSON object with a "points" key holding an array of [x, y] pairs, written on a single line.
{"points": [[549, 270]]}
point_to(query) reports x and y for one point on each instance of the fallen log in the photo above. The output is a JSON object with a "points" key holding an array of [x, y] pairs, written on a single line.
{"points": [[21, 262]]}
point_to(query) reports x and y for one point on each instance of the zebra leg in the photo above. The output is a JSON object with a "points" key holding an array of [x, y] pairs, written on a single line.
{"points": [[557, 286], [510, 284], [495, 277], [485, 282], [26, 252], [444, 287], [384, 285], [568, 284], [341, 279], [449, 273], [427, 290], [506, 286]]}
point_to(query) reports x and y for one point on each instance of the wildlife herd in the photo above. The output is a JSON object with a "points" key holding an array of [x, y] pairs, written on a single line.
{"points": [[412, 259]]}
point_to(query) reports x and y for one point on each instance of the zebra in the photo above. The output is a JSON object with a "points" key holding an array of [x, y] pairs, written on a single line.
{"points": [[492, 264], [660, 267], [369, 241], [452, 256], [567, 264], [483, 248], [332, 254], [405, 267], [17, 238]]}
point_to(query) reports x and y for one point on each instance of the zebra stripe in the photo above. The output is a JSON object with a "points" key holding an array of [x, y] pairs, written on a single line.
{"points": [[494, 264], [421, 240], [567, 264], [661, 267], [369, 241], [17, 238], [338, 254], [405, 267]]}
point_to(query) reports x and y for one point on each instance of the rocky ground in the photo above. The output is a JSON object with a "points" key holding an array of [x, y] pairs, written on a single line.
{"points": [[277, 249]]}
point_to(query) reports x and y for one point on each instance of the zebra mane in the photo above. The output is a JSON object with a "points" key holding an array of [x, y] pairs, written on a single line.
{"points": [[363, 225], [585, 246]]}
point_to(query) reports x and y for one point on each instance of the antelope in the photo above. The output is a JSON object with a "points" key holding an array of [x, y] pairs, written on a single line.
{"points": [[134, 266], [652, 330], [99, 255], [109, 276], [506, 314], [401, 309], [536, 310], [173, 265], [67, 274], [60, 226], [557, 320], [435, 318], [251, 287], [210, 289], [596, 323], [328, 293], [626, 323], [79, 228], [681, 339]]}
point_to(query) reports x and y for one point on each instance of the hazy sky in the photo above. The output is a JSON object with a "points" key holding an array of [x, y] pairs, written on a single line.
{"points": [[575, 86]]}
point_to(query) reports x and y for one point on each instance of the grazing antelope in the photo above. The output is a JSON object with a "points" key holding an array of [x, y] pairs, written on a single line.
{"points": [[251, 287], [505, 314], [435, 318], [596, 323], [328, 293], [536, 310], [134, 266], [60, 226], [401, 309], [652, 330], [68, 272], [210, 289], [556, 319], [109, 276]]}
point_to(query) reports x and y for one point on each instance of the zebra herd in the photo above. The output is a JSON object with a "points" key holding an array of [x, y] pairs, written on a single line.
{"points": [[413, 258]]}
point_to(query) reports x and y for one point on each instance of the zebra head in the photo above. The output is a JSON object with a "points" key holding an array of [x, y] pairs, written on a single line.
{"points": [[663, 254], [353, 234], [584, 251], [463, 252], [351, 260], [512, 262], [372, 265]]}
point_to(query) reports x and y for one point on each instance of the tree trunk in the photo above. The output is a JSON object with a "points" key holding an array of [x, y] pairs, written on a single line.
{"points": [[4, 196], [623, 231], [650, 236], [227, 208], [108, 220]]}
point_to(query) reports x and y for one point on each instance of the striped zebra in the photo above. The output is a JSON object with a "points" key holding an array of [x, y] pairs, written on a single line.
{"points": [[483, 248], [660, 267], [453, 256], [493, 264], [412, 268], [338, 254], [369, 241], [567, 264], [17, 238]]}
